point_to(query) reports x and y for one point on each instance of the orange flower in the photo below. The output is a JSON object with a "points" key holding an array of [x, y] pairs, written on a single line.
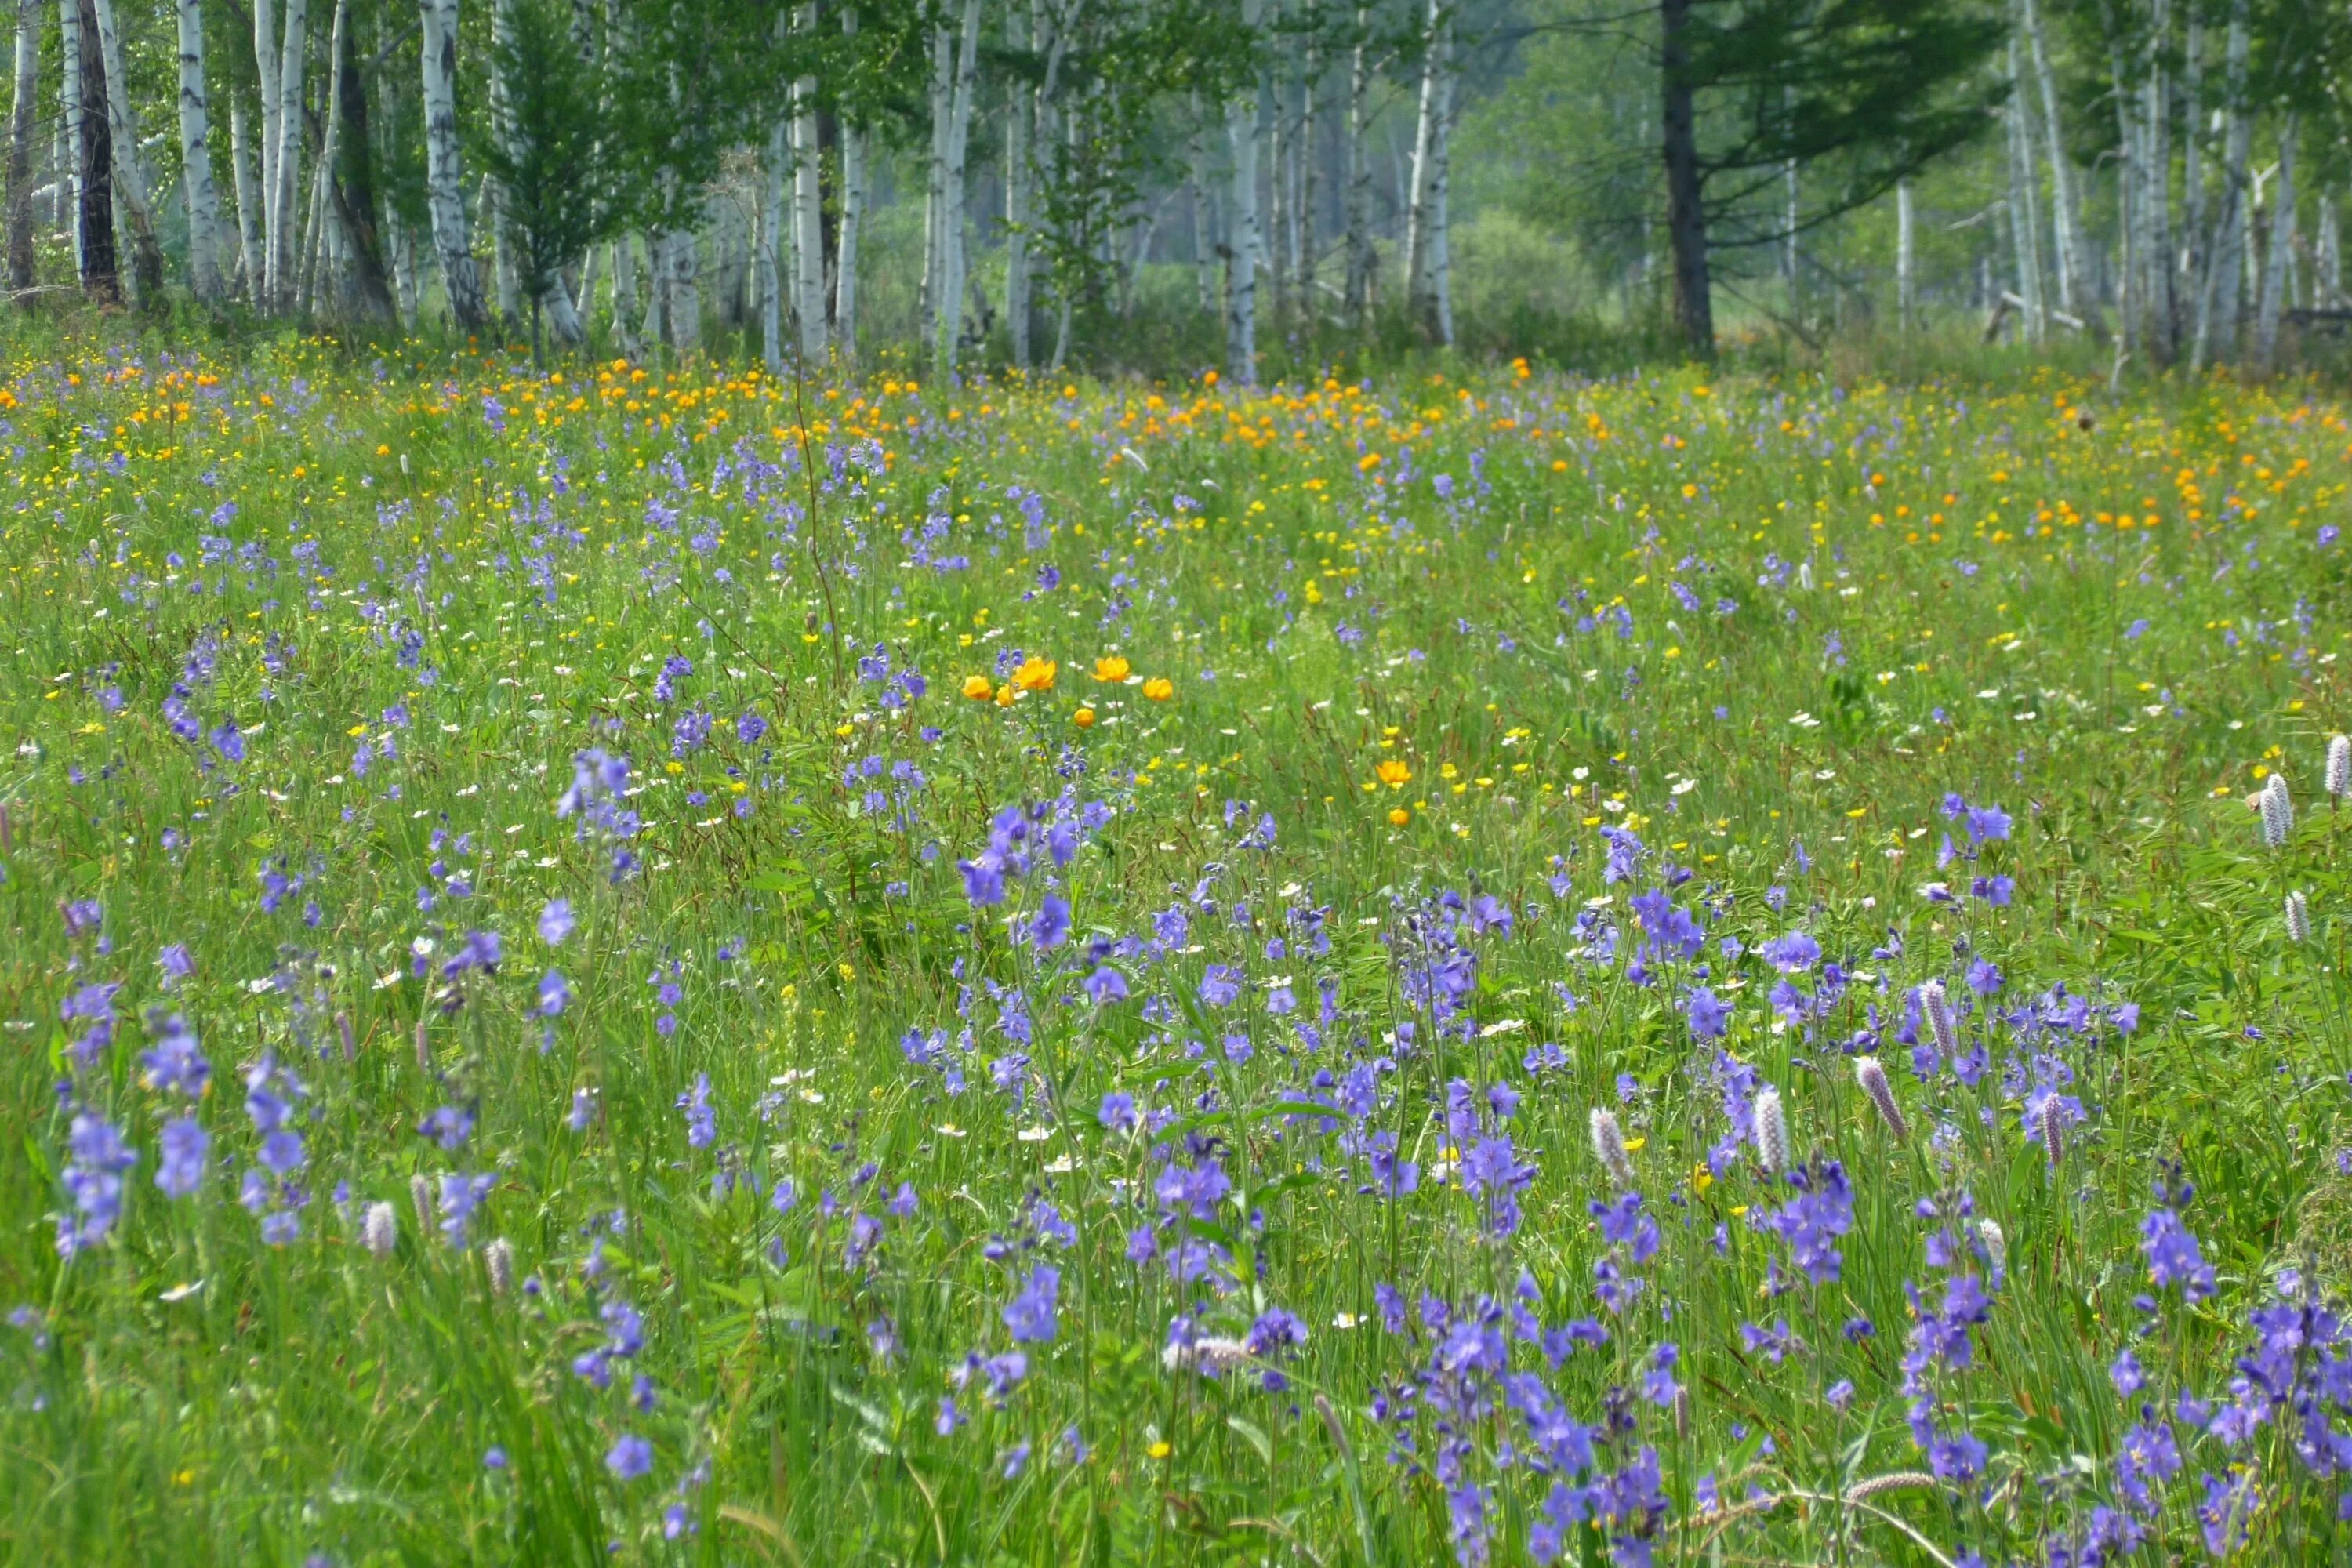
{"points": [[1112, 668], [1084, 718], [1393, 773], [978, 687], [1035, 675], [1399, 817], [1160, 689]]}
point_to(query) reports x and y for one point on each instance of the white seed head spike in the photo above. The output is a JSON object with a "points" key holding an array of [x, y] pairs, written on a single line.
{"points": [[1772, 1132], [1608, 1147]]}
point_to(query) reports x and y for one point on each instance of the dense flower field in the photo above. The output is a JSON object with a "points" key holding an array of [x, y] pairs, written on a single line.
{"points": [[668, 967]]}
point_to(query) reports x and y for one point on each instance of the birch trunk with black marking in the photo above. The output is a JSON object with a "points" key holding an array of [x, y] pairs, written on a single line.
{"points": [[444, 177], [2025, 232], [21, 118], [133, 187], [1356, 293], [2075, 294], [286, 156], [2280, 251], [197, 158], [246, 174], [808, 212], [957, 50], [94, 186], [1243, 128], [851, 223], [1906, 303], [1426, 239]]}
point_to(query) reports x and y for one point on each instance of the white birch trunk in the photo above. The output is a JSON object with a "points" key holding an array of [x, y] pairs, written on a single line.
{"points": [[510, 282], [443, 179], [854, 177], [2280, 251], [1204, 238], [248, 199], [134, 183], [2163, 336], [70, 112], [1243, 128], [769, 265], [320, 249], [1906, 299], [682, 290], [1310, 126], [2025, 237], [1427, 269], [264, 60], [1359, 287], [2066, 225], [2328, 280], [2226, 286], [401, 241], [287, 158], [23, 107], [942, 92], [1018, 116], [949, 308], [197, 158], [808, 213]]}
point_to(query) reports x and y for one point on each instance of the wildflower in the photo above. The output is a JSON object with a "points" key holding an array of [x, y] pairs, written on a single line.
{"points": [[380, 1231], [2339, 765], [1036, 674], [1608, 1147], [1935, 1007], [1394, 772], [93, 1181], [2277, 808], [555, 921], [630, 1458], [498, 1259], [1111, 670], [1160, 689], [1772, 1131], [1871, 1077], [978, 688], [1030, 1317], [1084, 718], [2298, 917], [182, 1146]]}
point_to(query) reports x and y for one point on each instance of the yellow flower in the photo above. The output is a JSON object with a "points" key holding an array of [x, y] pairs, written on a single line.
{"points": [[978, 687], [1084, 718], [1035, 675], [1399, 817], [1393, 773], [1111, 667], [1160, 689]]}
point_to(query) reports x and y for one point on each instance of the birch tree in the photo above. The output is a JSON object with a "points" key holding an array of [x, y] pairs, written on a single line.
{"points": [[1243, 129], [808, 205], [444, 178], [133, 186], [197, 158], [285, 156], [2280, 251], [26, 79], [2065, 221], [1428, 266], [955, 50], [94, 158]]}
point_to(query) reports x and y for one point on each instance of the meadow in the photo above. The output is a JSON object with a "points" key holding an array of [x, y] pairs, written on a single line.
{"points": [[623, 964]]}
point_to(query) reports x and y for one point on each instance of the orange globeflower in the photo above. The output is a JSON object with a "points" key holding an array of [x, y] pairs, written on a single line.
{"points": [[978, 687], [1035, 675], [1393, 773], [1084, 718], [1399, 817], [1160, 689], [1112, 668]]}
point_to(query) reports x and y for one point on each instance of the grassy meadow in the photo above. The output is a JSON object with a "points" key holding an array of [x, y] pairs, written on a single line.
{"points": [[662, 966]]}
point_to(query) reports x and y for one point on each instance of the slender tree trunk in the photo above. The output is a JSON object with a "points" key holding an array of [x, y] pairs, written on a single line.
{"points": [[286, 160], [2025, 232], [402, 247], [2195, 247], [28, 82], [947, 308], [319, 252], [1906, 300], [1310, 130], [2163, 335], [265, 63], [1357, 290], [1685, 217], [369, 292], [770, 265], [1020, 114], [1428, 120], [196, 159], [2221, 307], [1204, 238], [854, 178], [444, 178], [100, 281], [131, 184], [2328, 285], [2065, 221], [682, 292], [1243, 129], [808, 212], [2279, 253], [248, 198], [942, 94]]}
